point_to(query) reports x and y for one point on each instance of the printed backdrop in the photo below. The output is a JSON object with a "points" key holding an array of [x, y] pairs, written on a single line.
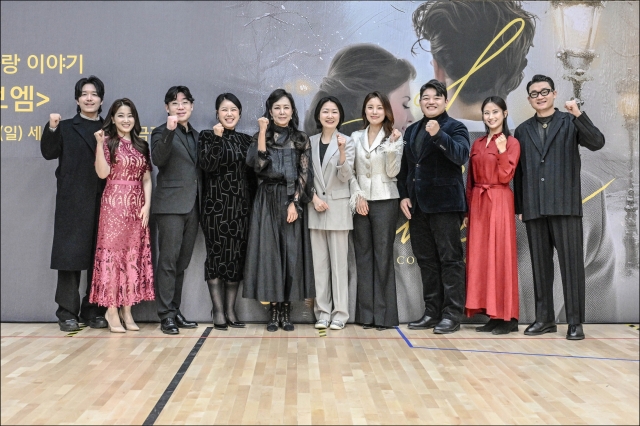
{"points": [[140, 49]]}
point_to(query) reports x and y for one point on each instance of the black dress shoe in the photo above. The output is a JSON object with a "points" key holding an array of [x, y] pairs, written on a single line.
{"points": [[538, 328], [368, 326], [574, 332], [97, 322], [489, 326], [235, 324], [423, 323], [168, 326], [446, 326], [506, 327], [182, 322], [69, 325]]}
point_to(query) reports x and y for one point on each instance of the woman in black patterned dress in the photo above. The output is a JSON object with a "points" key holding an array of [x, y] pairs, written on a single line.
{"points": [[227, 204]]}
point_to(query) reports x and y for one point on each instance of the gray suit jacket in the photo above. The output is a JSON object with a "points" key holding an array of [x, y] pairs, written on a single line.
{"points": [[179, 179], [331, 183]]}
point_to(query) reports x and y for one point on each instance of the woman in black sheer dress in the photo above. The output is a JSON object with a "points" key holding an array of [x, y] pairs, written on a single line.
{"points": [[279, 267], [229, 188]]}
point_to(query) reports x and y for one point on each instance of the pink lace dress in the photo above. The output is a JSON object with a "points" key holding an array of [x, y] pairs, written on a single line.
{"points": [[122, 272]]}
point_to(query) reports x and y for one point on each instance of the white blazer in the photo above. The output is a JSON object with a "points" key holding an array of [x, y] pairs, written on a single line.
{"points": [[376, 167], [331, 184]]}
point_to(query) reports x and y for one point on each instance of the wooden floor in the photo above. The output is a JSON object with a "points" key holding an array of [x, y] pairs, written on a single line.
{"points": [[353, 376]]}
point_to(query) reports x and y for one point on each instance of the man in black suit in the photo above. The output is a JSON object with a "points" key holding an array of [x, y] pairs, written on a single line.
{"points": [[433, 199], [175, 204], [548, 198], [77, 203]]}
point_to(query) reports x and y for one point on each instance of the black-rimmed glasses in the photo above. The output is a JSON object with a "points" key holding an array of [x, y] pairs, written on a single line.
{"points": [[543, 92]]}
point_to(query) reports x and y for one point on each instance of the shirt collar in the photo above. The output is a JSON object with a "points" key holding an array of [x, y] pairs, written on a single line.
{"points": [[89, 118]]}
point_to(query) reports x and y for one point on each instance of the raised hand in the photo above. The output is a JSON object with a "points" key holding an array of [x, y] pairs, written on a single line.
{"points": [[501, 143], [218, 129], [395, 135], [172, 122], [342, 142], [99, 136], [54, 120], [263, 123], [572, 107], [432, 127]]}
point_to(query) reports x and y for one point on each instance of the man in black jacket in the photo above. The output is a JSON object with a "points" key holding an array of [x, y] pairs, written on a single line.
{"points": [[548, 199], [77, 203], [433, 199], [175, 204]]}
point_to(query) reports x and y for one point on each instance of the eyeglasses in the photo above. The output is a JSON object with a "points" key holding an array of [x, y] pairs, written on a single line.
{"points": [[543, 92], [183, 103]]}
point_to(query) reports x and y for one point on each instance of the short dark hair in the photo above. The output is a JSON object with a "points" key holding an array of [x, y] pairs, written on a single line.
{"points": [[172, 94], [459, 31], [321, 103], [98, 84], [500, 103], [438, 86], [228, 97], [539, 78], [387, 123]]}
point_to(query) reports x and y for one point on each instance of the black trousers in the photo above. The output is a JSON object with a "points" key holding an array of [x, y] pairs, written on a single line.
{"points": [[176, 238], [373, 237], [68, 298], [435, 240], [565, 234]]}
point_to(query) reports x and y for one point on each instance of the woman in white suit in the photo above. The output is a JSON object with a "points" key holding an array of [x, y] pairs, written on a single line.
{"points": [[374, 197], [330, 218]]}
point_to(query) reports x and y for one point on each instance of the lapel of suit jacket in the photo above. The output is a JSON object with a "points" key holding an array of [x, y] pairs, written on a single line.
{"points": [[185, 142], [315, 156], [532, 130], [554, 127], [89, 139], [331, 149], [412, 139], [377, 141]]}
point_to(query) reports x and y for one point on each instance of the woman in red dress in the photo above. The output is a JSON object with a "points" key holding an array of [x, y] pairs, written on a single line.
{"points": [[122, 272], [492, 270]]}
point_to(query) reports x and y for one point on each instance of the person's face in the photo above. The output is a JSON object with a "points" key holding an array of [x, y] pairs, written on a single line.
{"points": [[374, 110], [329, 116], [400, 100], [432, 104], [228, 114], [540, 102], [281, 111], [124, 121], [89, 101], [181, 107], [493, 117]]}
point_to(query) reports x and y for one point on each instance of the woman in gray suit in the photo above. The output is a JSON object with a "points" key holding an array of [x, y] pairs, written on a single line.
{"points": [[330, 219]]}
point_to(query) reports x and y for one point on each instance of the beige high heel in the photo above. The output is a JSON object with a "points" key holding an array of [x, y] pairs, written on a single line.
{"points": [[131, 326], [115, 328]]}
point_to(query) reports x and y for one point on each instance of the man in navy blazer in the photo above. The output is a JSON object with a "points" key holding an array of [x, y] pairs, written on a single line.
{"points": [[433, 199]]}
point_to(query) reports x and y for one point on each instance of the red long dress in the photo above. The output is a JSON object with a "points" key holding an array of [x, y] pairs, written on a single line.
{"points": [[123, 272], [492, 261]]}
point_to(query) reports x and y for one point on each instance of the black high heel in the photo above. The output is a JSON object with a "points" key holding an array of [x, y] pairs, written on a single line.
{"points": [[234, 324], [221, 327]]}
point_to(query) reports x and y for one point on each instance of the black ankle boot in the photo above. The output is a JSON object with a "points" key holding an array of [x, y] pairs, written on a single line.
{"points": [[285, 317], [506, 327], [272, 325], [489, 326]]}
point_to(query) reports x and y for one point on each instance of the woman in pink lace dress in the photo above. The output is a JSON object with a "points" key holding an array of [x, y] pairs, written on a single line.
{"points": [[122, 272]]}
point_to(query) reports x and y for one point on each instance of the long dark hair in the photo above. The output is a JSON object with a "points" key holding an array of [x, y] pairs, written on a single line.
{"points": [[500, 103], [387, 123], [321, 103], [355, 71], [111, 131], [295, 134]]}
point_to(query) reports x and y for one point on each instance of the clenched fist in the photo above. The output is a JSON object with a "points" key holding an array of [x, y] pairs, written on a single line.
{"points": [[218, 129], [572, 107], [395, 135], [501, 143], [432, 127], [263, 123], [99, 136], [342, 142], [172, 122], [54, 120]]}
